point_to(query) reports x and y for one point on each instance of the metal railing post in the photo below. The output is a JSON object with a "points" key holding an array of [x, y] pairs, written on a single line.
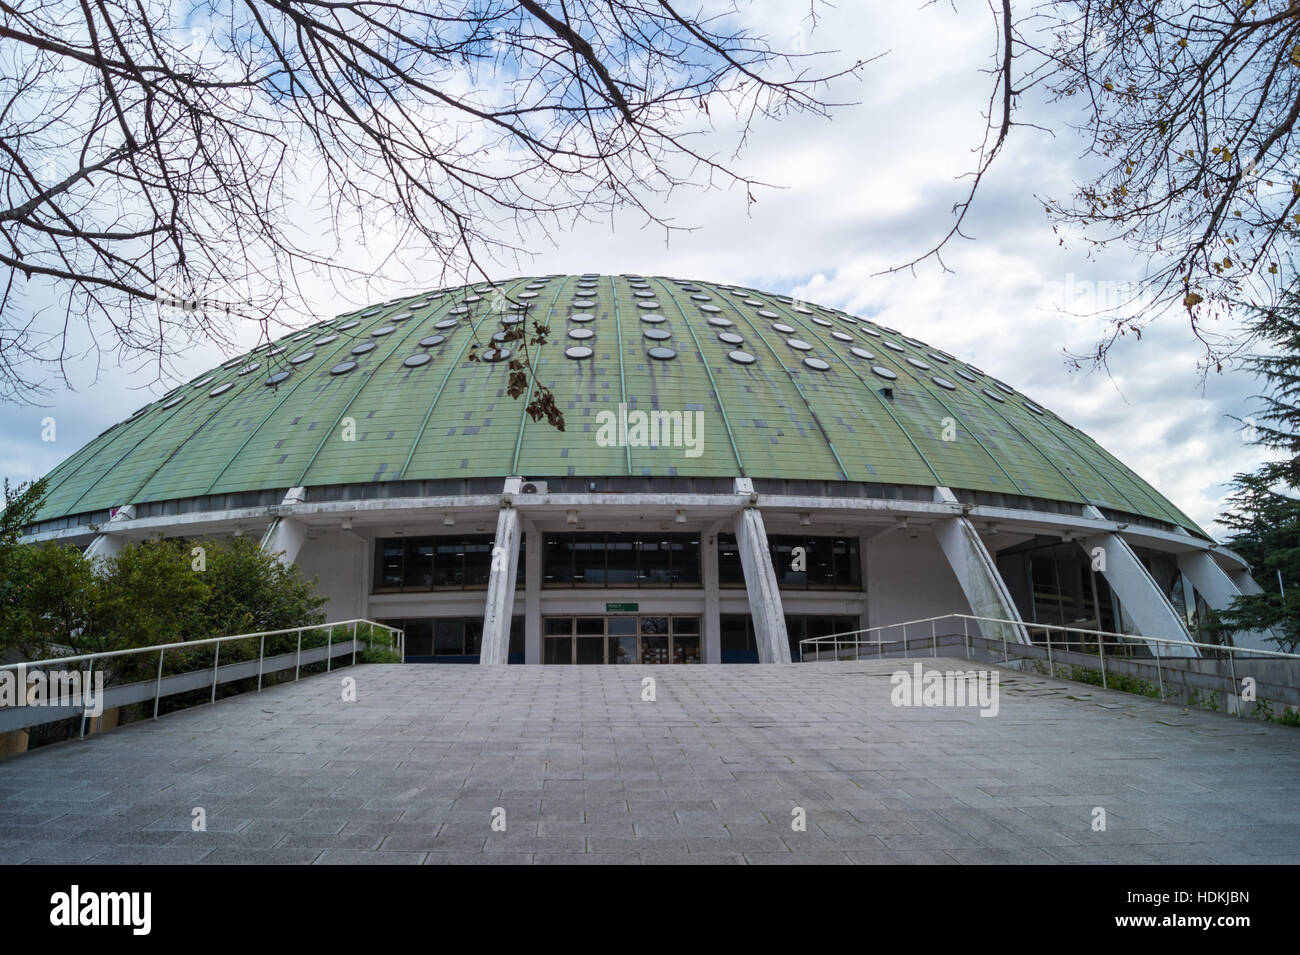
{"points": [[216, 656], [965, 629], [157, 689], [329, 650], [297, 663], [1004, 643], [904, 641], [1101, 652], [934, 640], [90, 677], [1051, 667], [261, 656], [1236, 687], [1160, 675], [354, 643]]}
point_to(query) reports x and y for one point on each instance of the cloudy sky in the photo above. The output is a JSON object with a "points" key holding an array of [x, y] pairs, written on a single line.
{"points": [[870, 188]]}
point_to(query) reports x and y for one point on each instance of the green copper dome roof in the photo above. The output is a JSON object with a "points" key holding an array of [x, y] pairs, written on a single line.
{"points": [[786, 389]]}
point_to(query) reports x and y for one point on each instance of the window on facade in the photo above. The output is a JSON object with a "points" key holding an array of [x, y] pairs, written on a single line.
{"points": [[424, 563], [452, 639], [800, 562], [621, 560]]}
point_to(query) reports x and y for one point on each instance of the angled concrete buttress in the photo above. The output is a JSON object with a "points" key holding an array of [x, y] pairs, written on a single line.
{"points": [[500, 606], [1213, 583], [285, 537], [108, 543], [1143, 601], [760, 580], [977, 573]]}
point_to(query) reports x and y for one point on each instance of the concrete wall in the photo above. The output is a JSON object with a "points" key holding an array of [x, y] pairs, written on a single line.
{"points": [[909, 579], [341, 562]]}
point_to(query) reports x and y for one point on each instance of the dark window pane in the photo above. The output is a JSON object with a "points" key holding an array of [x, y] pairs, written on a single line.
{"points": [[621, 625], [686, 624], [620, 556], [821, 569], [388, 563], [655, 562], [784, 558], [589, 558], [848, 567], [730, 572], [449, 636], [557, 560], [419, 638], [591, 625], [473, 634], [553, 625], [516, 636], [591, 649], [654, 624], [448, 562], [557, 650], [418, 569], [686, 560], [478, 561], [737, 634]]}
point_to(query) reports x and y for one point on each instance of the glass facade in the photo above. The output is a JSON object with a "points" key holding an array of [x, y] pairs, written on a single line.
{"points": [[739, 646], [648, 638], [436, 563], [801, 562], [452, 639], [621, 560]]}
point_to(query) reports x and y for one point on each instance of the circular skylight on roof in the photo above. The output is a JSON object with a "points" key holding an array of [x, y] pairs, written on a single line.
{"points": [[446, 323], [730, 338], [798, 343], [415, 361], [868, 330], [383, 330], [647, 303], [363, 348], [658, 334], [700, 297], [944, 383], [741, 357], [583, 303], [578, 352], [458, 310], [661, 353], [966, 375], [474, 298], [801, 310], [346, 325], [343, 367], [884, 372], [719, 322], [278, 377], [325, 339], [1004, 386], [221, 389], [1033, 407], [768, 313], [304, 357], [817, 364], [995, 396], [710, 308], [401, 317], [939, 358], [917, 363], [203, 382], [372, 311], [512, 320], [823, 322], [841, 336], [783, 328], [862, 353], [754, 302], [174, 402], [581, 317], [688, 287], [499, 337], [432, 340], [302, 337], [643, 292], [581, 334], [895, 346], [528, 295], [653, 318], [535, 285], [496, 354]]}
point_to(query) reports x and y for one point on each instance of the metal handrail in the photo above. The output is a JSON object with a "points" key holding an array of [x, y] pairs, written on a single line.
{"points": [[105, 654], [1123, 637]]}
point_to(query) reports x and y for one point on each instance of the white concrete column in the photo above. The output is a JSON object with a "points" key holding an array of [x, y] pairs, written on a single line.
{"points": [[977, 574], [712, 648], [1141, 598], [285, 537], [109, 543], [501, 584], [760, 580], [1218, 589], [533, 595]]}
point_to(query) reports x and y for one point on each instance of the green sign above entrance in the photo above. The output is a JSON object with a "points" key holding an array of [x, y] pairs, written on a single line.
{"points": [[619, 608]]}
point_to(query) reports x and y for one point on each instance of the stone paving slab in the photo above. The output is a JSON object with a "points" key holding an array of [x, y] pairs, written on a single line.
{"points": [[586, 772]]}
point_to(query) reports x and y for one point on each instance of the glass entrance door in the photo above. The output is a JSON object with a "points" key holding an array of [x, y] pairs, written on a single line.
{"points": [[648, 638]]}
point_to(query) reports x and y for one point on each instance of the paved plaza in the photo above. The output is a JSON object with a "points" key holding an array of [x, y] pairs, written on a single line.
{"points": [[416, 769]]}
